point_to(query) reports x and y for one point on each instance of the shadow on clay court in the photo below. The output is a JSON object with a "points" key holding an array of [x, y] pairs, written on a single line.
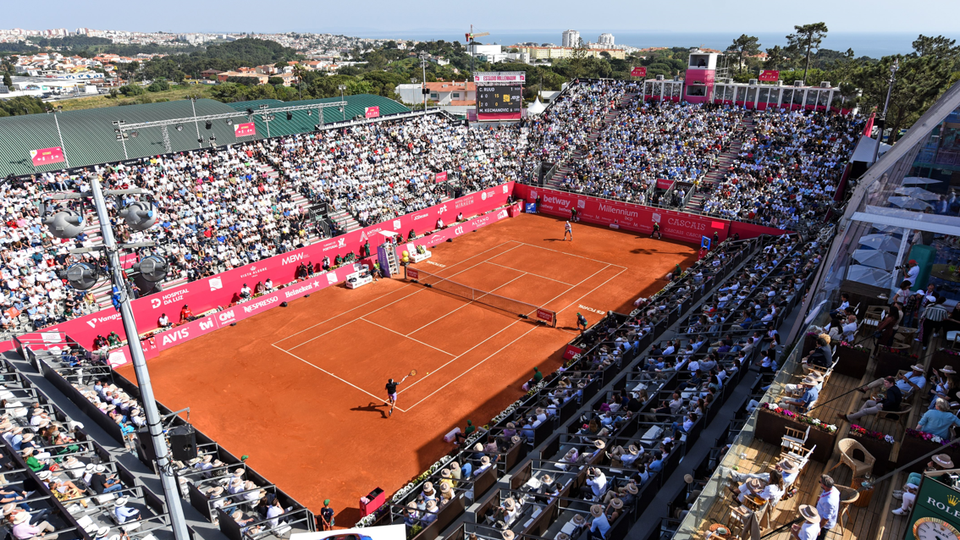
{"points": [[373, 407], [426, 455]]}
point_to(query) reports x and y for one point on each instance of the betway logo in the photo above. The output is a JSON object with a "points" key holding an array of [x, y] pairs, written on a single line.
{"points": [[556, 200], [181, 334], [299, 290], [257, 305], [93, 322], [687, 224], [292, 258], [620, 211]]}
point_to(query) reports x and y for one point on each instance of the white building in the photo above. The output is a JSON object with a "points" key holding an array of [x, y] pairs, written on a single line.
{"points": [[605, 40], [571, 38]]}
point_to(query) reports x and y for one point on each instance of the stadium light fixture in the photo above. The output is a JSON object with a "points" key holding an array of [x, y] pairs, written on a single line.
{"points": [[82, 276], [208, 124], [342, 88], [68, 223], [229, 121], [153, 268], [289, 116], [179, 127]]}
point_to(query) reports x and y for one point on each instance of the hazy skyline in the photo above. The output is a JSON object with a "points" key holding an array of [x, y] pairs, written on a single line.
{"points": [[431, 17]]}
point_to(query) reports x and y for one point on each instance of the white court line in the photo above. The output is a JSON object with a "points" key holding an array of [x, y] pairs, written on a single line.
{"points": [[388, 294], [378, 398], [383, 307], [573, 255], [531, 274], [452, 360], [405, 336], [474, 367]]}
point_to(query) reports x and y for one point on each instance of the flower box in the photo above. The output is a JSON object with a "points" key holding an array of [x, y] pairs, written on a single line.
{"points": [[771, 427], [890, 363], [852, 361], [914, 447]]}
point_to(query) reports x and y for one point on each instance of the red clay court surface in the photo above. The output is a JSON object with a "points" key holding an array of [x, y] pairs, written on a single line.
{"points": [[301, 389]]}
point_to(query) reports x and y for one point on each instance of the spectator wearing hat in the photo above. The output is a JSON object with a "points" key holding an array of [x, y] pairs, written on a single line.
{"points": [[944, 386], [509, 511], [810, 394], [124, 513], [770, 491], [412, 515], [828, 506], [484, 465], [906, 381], [809, 529], [600, 525], [326, 516], [891, 402], [614, 509], [937, 421], [941, 462], [23, 530], [549, 487], [911, 272]]}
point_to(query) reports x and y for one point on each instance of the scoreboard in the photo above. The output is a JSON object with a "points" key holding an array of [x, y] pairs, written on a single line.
{"points": [[499, 102]]}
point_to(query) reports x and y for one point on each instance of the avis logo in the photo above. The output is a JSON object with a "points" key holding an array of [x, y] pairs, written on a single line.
{"points": [[206, 325], [175, 336], [458, 231], [656, 217], [155, 303], [215, 284], [581, 203]]}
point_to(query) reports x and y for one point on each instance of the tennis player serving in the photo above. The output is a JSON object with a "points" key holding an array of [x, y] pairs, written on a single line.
{"points": [[392, 390]]}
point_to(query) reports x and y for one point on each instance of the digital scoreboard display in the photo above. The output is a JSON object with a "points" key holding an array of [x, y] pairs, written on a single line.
{"points": [[501, 102]]}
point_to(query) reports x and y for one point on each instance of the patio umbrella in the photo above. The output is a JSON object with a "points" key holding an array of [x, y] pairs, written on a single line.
{"points": [[918, 181], [888, 228], [869, 275], [875, 258], [909, 203], [917, 193], [882, 242]]}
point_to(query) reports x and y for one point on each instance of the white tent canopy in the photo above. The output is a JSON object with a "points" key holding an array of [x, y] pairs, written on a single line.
{"points": [[917, 193], [875, 258], [865, 149], [883, 242], [918, 181], [869, 275], [536, 108], [909, 203]]}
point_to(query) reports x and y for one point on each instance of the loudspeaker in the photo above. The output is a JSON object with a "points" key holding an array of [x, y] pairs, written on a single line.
{"points": [[183, 443]]}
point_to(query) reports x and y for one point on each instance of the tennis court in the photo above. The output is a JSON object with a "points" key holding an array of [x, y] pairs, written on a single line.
{"points": [[304, 385]]}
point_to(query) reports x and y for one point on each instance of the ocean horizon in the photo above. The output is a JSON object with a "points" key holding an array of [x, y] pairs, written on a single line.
{"points": [[874, 45]]}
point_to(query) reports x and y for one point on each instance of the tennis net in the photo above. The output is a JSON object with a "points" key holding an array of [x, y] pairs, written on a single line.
{"points": [[523, 310]]}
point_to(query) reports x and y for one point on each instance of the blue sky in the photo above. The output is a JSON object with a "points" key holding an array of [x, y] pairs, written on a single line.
{"points": [[380, 16]]}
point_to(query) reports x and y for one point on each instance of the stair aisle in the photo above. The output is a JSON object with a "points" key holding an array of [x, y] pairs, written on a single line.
{"points": [[726, 159]]}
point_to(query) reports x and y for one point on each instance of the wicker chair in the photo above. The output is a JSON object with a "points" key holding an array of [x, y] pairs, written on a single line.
{"points": [[848, 496], [860, 467], [898, 416]]}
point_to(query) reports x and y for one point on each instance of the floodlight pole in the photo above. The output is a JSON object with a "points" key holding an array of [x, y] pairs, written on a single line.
{"points": [[893, 77], [60, 135], [154, 424], [196, 123]]}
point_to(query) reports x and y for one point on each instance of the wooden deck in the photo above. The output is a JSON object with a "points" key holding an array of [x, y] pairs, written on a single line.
{"points": [[859, 523]]}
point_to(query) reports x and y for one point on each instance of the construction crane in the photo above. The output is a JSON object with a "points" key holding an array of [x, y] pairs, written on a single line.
{"points": [[471, 36]]}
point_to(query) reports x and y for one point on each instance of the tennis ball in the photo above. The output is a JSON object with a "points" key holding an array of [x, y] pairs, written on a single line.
{"points": [[428, 373]]}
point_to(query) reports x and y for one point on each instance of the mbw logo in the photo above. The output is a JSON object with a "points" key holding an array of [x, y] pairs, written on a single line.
{"points": [[293, 258]]}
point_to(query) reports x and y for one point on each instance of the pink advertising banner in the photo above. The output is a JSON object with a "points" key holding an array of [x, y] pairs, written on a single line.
{"points": [[47, 156], [440, 177], [631, 217], [222, 289], [244, 130], [372, 112], [663, 183], [638, 71], [769, 75]]}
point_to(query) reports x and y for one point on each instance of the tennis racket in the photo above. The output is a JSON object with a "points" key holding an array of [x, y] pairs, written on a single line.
{"points": [[412, 373]]}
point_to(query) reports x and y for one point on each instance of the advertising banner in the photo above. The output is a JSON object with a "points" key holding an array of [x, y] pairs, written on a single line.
{"points": [[517, 77], [663, 183], [638, 71], [440, 177], [47, 156], [222, 289], [244, 130], [630, 217], [749, 230], [571, 351], [769, 75], [372, 112], [936, 513]]}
